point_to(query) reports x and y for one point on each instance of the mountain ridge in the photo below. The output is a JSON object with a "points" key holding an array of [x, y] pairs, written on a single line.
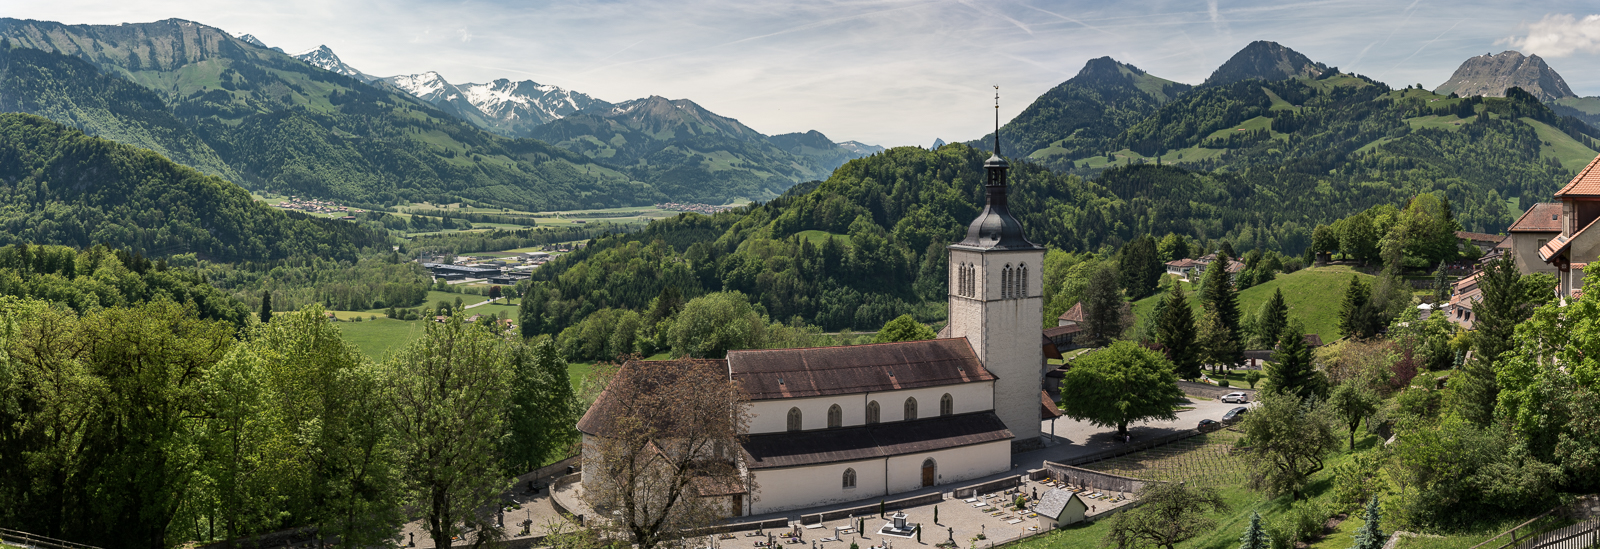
{"points": [[1265, 60], [1492, 74]]}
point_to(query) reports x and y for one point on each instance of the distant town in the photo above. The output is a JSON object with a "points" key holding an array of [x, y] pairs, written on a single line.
{"points": [[696, 208]]}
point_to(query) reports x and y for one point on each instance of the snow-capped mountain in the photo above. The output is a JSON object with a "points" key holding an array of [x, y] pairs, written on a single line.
{"points": [[505, 107], [322, 57], [252, 40], [859, 149]]}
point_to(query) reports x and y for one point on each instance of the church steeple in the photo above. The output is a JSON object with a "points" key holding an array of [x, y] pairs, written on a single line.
{"points": [[995, 229]]}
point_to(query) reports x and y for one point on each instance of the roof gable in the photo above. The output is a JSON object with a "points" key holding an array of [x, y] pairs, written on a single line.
{"points": [[820, 371], [1075, 314], [1587, 182], [1052, 503], [1544, 217]]}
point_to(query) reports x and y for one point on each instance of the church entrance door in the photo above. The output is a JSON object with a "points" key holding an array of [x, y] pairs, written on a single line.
{"points": [[928, 475]]}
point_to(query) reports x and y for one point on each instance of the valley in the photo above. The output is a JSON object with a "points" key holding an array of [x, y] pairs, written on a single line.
{"points": [[266, 286]]}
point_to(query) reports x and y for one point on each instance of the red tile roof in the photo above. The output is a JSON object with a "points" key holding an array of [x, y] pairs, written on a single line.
{"points": [[1075, 314], [1560, 243], [1047, 407], [1480, 237], [1587, 183], [1184, 263], [599, 415], [1544, 217], [818, 371]]}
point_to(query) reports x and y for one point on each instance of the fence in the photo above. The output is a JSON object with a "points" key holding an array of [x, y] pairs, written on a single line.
{"points": [[991, 486], [1582, 535], [24, 538], [864, 510]]}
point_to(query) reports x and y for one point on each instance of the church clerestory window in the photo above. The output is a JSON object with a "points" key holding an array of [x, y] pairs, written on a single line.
{"points": [[835, 417], [911, 408], [849, 478], [794, 419], [1022, 281], [947, 405], [872, 412]]}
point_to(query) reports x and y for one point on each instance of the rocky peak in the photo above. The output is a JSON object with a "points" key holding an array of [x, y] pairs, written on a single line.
{"points": [[1491, 74], [1266, 61]]}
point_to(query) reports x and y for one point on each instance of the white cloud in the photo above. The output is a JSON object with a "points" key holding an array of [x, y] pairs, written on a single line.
{"points": [[1559, 35]]}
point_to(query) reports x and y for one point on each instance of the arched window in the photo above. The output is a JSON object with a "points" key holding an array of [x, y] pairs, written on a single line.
{"points": [[972, 281], [911, 408], [794, 419], [849, 478], [872, 412], [1022, 281], [835, 417], [947, 405], [1005, 282]]}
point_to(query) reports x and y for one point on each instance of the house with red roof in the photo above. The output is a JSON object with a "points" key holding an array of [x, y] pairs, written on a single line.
{"points": [[1579, 240]]}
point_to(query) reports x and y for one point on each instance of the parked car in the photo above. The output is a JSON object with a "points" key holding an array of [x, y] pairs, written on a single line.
{"points": [[1209, 425], [1236, 398], [1233, 416]]}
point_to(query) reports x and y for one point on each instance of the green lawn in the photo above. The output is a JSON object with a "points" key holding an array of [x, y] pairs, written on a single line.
{"points": [[379, 338], [817, 238], [1572, 154], [1313, 295]]}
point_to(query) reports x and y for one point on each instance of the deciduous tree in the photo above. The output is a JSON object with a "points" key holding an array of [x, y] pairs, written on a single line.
{"points": [[903, 328], [1288, 437], [663, 449], [1168, 514], [450, 391], [1353, 400], [1119, 385]]}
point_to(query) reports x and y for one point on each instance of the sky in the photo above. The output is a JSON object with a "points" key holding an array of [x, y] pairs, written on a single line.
{"points": [[894, 72]]}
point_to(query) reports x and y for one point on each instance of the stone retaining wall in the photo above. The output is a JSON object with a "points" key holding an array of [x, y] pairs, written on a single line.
{"points": [[987, 487], [1212, 391], [1094, 479]]}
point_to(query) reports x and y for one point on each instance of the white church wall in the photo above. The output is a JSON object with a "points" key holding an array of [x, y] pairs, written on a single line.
{"points": [[950, 465], [772, 416], [1005, 333], [800, 487]]}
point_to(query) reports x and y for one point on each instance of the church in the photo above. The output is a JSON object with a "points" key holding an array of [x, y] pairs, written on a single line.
{"points": [[838, 424]]}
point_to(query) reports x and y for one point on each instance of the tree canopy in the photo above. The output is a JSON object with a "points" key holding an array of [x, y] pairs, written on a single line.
{"points": [[1120, 384]]}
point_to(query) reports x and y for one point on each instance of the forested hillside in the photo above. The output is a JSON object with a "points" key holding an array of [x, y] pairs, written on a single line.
{"points": [[59, 186], [73, 92], [286, 126], [687, 152]]}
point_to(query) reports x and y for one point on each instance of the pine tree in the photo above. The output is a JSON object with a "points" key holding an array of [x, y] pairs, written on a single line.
{"points": [[1353, 312], [1102, 307], [1215, 341], [266, 307], [1290, 371], [1272, 319], [1139, 267], [1217, 295], [1370, 535], [1176, 332], [1254, 537], [1441, 285]]}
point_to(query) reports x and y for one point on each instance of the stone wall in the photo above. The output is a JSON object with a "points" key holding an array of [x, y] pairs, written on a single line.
{"points": [[991, 486], [1094, 479]]}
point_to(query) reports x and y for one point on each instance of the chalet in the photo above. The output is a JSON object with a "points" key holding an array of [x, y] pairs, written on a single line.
{"points": [[1181, 267], [1579, 241], [1537, 226]]}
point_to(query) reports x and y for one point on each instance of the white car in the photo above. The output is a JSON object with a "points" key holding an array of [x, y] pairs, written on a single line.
{"points": [[1239, 398]]}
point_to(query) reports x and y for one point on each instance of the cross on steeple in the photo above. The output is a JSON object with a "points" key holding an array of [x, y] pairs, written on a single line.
{"points": [[997, 120]]}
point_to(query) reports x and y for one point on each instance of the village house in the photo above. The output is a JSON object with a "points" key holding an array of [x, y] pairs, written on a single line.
{"points": [[1579, 241]]}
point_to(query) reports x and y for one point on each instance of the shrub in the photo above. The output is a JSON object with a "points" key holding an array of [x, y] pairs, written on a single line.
{"points": [[1223, 383]]}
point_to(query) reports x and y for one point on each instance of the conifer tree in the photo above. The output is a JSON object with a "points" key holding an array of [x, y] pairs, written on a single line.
{"points": [[1139, 267], [1254, 537], [1353, 311], [1217, 346], [1272, 319], [1290, 370], [1441, 285], [1218, 295], [1102, 307], [1175, 331], [266, 307], [1370, 535]]}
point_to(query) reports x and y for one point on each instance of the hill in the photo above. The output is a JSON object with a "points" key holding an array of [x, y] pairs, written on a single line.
{"points": [[1491, 75], [59, 186], [283, 125], [1269, 61], [1586, 109], [70, 91], [1314, 296], [680, 147], [1077, 117]]}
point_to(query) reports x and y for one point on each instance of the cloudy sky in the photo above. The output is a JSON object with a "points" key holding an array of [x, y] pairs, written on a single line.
{"points": [[897, 72]]}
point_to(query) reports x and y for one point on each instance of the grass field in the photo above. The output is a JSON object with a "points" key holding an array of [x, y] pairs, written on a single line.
{"points": [[817, 238], [1313, 295], [1572, 154]]}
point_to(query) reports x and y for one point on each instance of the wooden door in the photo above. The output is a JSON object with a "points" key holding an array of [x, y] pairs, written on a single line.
{"points": [[927, 473], [738, 505]]}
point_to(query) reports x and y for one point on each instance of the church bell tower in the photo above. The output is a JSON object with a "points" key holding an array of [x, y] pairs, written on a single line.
{"points": [[996, 302]]}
